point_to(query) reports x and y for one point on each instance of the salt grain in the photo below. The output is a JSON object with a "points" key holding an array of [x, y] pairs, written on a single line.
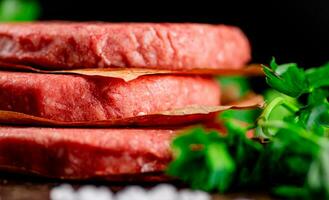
{"points": [[92, 192], [163, 192], [159, 192], [132, 193], [200, 195], [193, 195], [63, 192]]}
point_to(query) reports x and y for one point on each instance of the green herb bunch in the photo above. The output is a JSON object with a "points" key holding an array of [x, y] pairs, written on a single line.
{"points": [[289, 152]]}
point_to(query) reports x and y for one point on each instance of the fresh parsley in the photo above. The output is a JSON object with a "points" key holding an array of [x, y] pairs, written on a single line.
{"points": [[289, 152]]}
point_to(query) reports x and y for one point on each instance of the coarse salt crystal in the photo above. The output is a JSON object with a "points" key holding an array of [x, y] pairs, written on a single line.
{"points": [[63, 192]]}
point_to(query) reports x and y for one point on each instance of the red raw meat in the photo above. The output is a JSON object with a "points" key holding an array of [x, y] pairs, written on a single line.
{"points": [[73, 98], [73, 153], [68, 45]]}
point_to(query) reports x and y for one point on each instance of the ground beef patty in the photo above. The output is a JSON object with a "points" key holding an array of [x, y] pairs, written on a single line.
{"points": [[73, 98], [65, 45], [72, 153]]}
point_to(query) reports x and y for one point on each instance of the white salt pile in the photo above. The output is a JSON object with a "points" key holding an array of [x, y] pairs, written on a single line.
{"points": [[159, 192]]}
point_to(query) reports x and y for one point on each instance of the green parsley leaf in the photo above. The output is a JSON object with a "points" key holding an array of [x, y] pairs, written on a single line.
{"points": [[196, 162], [221, 169], [318, 77], [246, 115], [19, 10], [287, 78]]}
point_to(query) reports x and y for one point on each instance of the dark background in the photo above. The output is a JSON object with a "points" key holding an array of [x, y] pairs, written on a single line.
{"points": [[292, 31]]}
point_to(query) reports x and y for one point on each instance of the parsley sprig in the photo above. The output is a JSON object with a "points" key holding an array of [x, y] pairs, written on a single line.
{"points": [[289, 154]]}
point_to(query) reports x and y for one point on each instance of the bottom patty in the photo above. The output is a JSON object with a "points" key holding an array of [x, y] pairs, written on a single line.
{"points": [[73, 153], [72, 98]]}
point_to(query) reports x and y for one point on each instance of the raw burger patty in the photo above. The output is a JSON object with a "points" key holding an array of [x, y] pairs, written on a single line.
{"points": [[84, 153], [72, 98], [68, 45]]}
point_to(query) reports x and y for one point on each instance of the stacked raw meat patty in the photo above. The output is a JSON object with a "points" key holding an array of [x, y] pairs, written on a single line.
{"points": [[111, 151]]}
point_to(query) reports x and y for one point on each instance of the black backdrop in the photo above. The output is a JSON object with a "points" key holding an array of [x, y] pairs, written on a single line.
{"points": [[292, 31]]}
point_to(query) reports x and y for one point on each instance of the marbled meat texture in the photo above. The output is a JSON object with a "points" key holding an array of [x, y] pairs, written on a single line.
{"points": [[73, 153], [68, 45], [74, 98]]}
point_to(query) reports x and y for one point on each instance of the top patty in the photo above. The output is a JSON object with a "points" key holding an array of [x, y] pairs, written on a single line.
{"points": [[71, 45]]}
